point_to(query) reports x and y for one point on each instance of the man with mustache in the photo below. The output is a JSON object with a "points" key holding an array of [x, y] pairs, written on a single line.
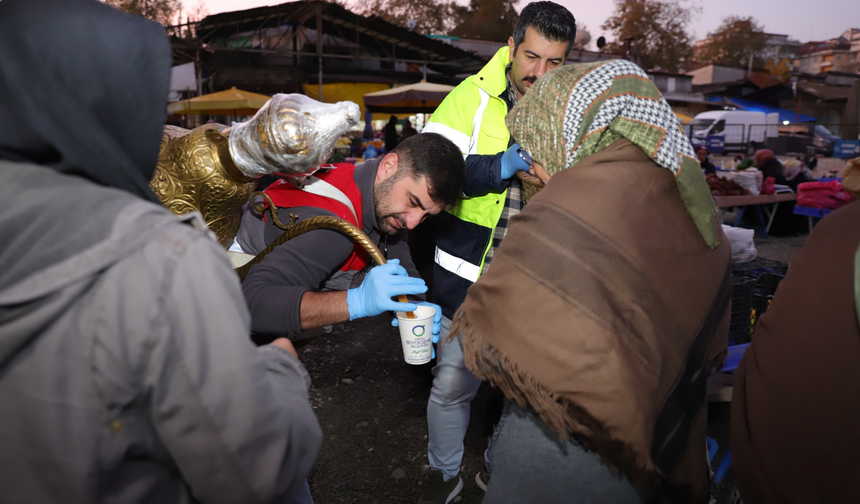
{"points": [[321, 277], [473, 117]]}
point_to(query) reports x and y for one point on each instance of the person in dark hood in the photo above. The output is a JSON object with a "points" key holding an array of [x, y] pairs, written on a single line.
{"points": [[126, 370]]}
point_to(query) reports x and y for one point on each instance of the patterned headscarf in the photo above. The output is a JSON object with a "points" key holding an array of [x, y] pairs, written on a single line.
{"points": [[578, 110], [792, 168]]}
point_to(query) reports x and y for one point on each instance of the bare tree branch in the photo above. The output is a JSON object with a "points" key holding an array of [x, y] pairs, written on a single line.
{"points": [[163, 11]]}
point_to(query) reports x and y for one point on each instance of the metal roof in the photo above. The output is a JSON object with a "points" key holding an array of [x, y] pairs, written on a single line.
{"points": [[825, 92], [393, 42], [784, 115]]}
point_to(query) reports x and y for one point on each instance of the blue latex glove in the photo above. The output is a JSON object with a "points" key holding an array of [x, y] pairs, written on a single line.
{"points": [[382, 283], [436, 330], [512, 162]]}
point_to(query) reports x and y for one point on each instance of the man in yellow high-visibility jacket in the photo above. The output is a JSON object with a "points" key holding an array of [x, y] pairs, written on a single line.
{"points": [[473, 117]]}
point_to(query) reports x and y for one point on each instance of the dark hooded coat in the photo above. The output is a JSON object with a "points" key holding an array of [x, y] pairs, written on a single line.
{"points": [[126, 371]]}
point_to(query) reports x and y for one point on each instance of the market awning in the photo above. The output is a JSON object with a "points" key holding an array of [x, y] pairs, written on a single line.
{"points": [[412, 98], [784, 115], [347, 91], [230, 102], [685, 119]]}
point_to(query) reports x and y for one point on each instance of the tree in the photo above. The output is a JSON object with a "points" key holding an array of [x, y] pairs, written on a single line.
{"points": [[197, 13], [732, 43], [163, 11], [583, 37], [431, 16], [658, 29], [780, 71], [488, 20]]}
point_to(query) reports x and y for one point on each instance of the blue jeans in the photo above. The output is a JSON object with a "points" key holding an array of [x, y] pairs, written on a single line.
{"points": [[532, 464], [449, 406]]}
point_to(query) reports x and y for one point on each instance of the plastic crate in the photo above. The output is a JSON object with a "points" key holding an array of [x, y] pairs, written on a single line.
{"points": [[767, 274], [765, 288], [758, 266], [742, 322]]}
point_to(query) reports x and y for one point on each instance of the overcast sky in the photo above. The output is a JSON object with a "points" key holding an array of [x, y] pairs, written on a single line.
{"points": [[803, 20]]}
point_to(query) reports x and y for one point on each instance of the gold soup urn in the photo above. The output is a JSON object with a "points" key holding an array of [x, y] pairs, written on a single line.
{"points": [[213, 170]]}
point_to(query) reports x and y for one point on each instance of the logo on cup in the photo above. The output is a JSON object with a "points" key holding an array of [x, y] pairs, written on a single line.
{"points": [[418, 330]]}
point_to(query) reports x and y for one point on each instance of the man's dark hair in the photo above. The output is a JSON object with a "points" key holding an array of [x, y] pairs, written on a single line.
{"points": [[439, 161], [551, 20]]}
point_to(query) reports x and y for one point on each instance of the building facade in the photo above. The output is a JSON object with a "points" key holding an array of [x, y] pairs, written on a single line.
{"points": [[840, 54]]}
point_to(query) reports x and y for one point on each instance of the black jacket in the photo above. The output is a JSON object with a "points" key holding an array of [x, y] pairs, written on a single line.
{"points": [[773, 168], [709, 167]]}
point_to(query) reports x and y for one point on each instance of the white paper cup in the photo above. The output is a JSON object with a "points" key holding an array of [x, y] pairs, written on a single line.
{"points": [[415, 335]]}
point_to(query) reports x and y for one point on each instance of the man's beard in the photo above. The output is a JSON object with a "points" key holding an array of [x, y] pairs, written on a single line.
{"points": [[384, 216]]}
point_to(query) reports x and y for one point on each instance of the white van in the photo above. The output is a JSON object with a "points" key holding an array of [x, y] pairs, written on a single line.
{"points": [[738, 127]]}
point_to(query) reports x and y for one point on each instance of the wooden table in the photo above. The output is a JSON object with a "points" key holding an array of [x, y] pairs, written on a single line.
{"points": [[770, 202]]}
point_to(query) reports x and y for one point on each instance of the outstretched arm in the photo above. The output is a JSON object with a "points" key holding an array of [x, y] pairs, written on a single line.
{"points": [[236, 419], [276, 289], [323, 308]]}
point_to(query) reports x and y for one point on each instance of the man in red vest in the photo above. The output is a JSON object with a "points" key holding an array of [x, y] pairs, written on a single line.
{"points": [[322, 277]]}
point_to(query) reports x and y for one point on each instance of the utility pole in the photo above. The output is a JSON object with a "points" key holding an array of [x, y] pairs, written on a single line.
{"points": [[320, 49]]}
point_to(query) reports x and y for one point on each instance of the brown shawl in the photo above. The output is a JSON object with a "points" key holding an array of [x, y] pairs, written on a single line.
{"points": [[603, 311], [796, 401]]}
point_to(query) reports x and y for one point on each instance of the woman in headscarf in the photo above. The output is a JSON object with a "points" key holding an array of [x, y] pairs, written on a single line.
{"points": [[785, 222], [126, 369], [769, 166], [796, 397], [608, 302], [795, 173]]}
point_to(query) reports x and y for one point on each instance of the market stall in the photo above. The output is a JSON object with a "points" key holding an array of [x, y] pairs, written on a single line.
{"points": [[770, 202], [235, 102], [421, 97]]}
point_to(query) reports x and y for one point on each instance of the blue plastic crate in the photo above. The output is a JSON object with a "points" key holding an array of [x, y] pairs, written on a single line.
{"points": [[758, 266], [733, 357], [810, 211]]}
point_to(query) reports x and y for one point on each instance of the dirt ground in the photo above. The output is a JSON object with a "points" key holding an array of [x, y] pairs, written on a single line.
{"points": [[780, 249], [372, 409]]}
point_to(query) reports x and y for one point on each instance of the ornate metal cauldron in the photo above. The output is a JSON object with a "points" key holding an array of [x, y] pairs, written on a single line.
{"points": [[206, 171]]}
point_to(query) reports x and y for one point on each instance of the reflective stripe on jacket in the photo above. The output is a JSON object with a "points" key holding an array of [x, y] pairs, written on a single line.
{"points": [[473, 117], [286, 195]]}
